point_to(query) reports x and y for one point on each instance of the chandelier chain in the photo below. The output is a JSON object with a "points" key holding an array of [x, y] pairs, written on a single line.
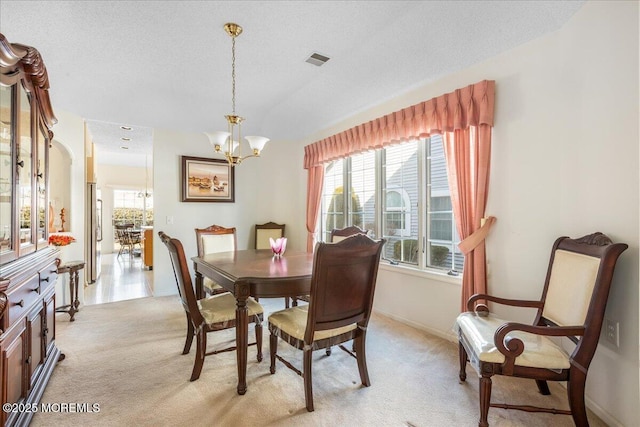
{"points": [[233, 75]]}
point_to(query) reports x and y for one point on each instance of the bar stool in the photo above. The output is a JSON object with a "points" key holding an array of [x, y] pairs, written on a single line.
{"points": [[71, 267]]}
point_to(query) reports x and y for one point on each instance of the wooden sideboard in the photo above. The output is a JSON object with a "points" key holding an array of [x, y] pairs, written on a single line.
{"points": [[28, 265]]}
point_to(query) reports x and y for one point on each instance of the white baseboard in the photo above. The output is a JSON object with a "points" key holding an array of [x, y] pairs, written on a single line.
{"points": [[451, 336]]}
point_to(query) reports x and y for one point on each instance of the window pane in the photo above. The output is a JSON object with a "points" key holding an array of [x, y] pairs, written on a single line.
{"points": [[442, 250], [363, 190], [401, 194], [130, 206], [332, 214]]}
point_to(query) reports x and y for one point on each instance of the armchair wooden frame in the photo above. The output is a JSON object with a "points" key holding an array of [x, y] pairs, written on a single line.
{"points": [[596, 246], [213, 230], [199, 311]]}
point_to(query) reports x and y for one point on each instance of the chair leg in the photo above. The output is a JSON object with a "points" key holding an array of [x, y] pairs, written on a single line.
{"points": [[361, 357], [286, 302], [201, 349], [327, 351], [575, 392], [189, 340], [485, 400], [462, 355], [543, 387], [258, 330], [308, 386], [273, 349]]}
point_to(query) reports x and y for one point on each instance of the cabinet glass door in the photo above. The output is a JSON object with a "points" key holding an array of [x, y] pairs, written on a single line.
{"points": [[41, 188], [25, 173], [6, 171]]}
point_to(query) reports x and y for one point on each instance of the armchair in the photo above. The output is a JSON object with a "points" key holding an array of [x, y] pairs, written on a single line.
{"points": [[572, 305]]}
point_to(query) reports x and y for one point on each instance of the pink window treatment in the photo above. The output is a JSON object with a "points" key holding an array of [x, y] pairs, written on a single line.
{"points": [[468, 155], [314, 196], [465, 118]]}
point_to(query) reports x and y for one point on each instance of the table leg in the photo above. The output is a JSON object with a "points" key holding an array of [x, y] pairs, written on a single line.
{"points": [[73, 290], [242, 335], [199, 285]]}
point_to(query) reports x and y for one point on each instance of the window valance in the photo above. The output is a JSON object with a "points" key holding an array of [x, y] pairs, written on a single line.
{"points": [[460, 109]]}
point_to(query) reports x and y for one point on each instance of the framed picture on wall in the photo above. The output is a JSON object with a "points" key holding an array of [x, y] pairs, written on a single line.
{"points": [[207, 180]]}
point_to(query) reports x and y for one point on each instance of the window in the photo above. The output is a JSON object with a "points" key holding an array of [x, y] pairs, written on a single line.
{"points": [[134, 207], [400, 193]]}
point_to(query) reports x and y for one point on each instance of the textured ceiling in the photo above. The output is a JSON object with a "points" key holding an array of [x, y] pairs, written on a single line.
{"points": [[167, 64]]}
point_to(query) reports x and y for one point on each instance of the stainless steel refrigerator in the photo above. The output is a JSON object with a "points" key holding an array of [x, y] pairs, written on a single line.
{"points": [[93, 232]]}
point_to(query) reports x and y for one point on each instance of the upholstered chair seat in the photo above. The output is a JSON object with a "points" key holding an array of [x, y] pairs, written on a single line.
{"points": [[222, 308], [477, 335], [293, 322]]}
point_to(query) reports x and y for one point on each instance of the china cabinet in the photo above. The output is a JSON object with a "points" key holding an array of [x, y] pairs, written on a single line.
{"points": [[28, 265]]}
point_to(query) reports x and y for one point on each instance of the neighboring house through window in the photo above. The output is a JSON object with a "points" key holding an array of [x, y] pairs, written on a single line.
{"points": [[400, 193]]}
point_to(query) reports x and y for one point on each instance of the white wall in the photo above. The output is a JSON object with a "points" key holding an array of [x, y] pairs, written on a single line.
{"points": [[60, 181], [264, 192], [565, 161], [69, 132]]}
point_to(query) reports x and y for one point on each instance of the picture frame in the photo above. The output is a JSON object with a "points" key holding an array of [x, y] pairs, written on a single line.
{"points": [[207, 180]]}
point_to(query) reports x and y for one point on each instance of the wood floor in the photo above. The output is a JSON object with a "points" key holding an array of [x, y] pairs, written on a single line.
{"points": [[120, 279]]}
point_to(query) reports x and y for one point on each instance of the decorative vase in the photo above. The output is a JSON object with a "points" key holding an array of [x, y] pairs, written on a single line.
{"points": [[278, 246]]}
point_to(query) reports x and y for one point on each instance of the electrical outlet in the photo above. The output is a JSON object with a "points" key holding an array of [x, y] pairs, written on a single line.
{"points": [[169, 219], [612, 331]]}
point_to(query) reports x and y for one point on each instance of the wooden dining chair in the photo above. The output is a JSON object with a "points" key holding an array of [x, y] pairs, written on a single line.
{"points": [[265, 231], [343, 282], [339, 234], [127, 239], [572, 305], [211, 240], [262, 234], [210, 314]]}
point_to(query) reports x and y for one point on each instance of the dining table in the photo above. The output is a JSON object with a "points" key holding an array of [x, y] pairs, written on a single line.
{"points": [[254, 273]]}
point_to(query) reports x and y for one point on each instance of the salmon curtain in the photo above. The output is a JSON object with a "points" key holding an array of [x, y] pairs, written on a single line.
{"points": [[314, 196], [465, 118], [468, 154]]}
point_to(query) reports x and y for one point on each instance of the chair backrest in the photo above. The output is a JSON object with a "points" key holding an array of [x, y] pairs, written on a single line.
{"points": [[343, 282], [183, 278], [214, 239], [577, 288], [339, 234], [265, 231], [121, 231]]}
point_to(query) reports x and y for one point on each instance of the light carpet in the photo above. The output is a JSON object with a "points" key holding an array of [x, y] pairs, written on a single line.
{"points": [[126, 357]]}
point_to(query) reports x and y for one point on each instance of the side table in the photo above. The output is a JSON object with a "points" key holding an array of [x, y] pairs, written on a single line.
{"points": [[72, 268]]}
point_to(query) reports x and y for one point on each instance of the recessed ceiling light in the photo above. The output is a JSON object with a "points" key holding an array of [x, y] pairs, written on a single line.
{"points": [[125, 127], [124, 138]]}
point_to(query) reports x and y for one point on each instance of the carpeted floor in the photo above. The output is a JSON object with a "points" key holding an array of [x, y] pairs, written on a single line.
{"points": [[126, 357]]}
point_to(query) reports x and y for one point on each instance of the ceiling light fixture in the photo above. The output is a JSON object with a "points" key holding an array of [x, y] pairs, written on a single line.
{"points": [[230, 141]]}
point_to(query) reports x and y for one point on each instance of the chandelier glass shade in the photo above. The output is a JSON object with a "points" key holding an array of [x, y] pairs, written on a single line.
{"points": [[229, 142]]}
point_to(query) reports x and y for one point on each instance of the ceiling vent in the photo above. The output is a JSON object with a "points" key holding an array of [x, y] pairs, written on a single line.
{"points": [[317, 59]]}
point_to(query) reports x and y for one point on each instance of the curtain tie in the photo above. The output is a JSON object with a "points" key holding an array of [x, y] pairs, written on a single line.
{"points": [[477, 237]]}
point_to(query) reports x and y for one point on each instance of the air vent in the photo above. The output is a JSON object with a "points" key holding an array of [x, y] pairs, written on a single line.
{"points": [[317, 59]]}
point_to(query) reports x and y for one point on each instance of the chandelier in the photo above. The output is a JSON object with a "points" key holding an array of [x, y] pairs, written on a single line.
{"points": [[229, 141]]}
